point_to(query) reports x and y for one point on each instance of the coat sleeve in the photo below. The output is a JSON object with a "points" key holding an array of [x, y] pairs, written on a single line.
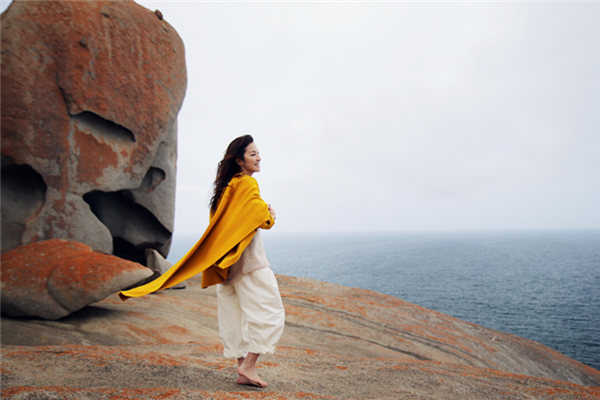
{"points": [[268, 224], [261, 204]]}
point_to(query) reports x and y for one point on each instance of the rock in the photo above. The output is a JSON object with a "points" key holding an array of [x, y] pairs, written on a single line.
{"points": [[157, 263], [90, 96], [53, 278], [339, 343]]}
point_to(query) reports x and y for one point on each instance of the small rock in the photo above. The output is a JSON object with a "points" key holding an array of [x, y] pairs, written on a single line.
{"points": [[157, 263]]}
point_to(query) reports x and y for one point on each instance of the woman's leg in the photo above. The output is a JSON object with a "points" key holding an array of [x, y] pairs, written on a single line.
{"points": [[242, 380], [263, 319], [230, 322]]}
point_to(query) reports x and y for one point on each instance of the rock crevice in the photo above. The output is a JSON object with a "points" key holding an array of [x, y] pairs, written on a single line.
{"points": [[104, 129], [132, 227]]}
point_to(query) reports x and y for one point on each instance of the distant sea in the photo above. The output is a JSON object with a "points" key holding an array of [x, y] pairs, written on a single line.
{"points": [[541, 285]]}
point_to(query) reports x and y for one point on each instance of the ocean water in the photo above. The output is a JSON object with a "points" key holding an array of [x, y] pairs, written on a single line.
{"points": [[543, 286]]}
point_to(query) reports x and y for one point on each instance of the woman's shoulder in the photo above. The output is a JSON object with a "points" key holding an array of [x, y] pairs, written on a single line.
{"points": [[243, 180]]}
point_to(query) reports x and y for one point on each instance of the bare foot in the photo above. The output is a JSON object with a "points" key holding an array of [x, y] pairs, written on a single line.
{"points": [[250, 377], [242, 380]]}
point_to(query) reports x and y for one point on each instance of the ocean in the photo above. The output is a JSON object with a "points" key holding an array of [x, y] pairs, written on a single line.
{"points": [[541, 285]]}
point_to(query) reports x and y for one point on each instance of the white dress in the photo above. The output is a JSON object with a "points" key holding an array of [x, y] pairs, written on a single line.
{"points": [[251, 314]]}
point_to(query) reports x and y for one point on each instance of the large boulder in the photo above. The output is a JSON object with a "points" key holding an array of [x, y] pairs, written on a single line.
{"points": [[90, 96], [53, 278]]}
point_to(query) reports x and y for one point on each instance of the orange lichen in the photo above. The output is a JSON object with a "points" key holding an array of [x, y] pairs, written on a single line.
{"points": [[269, 364], [93, 157], [71, 264]]}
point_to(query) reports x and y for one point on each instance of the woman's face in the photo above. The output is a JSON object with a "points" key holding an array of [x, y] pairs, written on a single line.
{"points": [[251, 162]]}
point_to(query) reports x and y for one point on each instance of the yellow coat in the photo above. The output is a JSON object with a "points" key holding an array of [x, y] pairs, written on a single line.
{"points": [[240, 212]]}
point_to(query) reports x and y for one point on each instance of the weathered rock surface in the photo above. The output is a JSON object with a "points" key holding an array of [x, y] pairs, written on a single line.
{"points": [[339, 343], [90, 96], [53, 278]]}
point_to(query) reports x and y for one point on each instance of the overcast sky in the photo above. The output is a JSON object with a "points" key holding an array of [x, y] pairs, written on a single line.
{"points": [[395, 116]]}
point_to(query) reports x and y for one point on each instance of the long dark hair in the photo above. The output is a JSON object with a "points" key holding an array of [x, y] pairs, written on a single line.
{"points": [[228, 167]]}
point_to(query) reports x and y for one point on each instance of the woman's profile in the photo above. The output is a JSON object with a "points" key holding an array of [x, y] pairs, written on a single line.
{"points": [[231, 254]]}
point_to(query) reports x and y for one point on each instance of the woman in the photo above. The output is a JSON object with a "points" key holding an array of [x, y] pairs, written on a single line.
{"points": [[231, 254]]}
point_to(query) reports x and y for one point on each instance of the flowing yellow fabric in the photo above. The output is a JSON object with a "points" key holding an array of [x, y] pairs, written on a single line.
{"points": [[240, 212]]}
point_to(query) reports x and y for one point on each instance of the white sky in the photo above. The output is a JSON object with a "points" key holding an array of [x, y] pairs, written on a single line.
{"points": [[395, 116]]}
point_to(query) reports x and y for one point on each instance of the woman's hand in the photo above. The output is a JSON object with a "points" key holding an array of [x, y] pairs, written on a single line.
{"points": [[273, 213]]}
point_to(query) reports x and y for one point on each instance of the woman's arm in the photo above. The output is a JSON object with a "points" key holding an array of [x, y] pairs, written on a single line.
{"points": [[271, 221]]}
